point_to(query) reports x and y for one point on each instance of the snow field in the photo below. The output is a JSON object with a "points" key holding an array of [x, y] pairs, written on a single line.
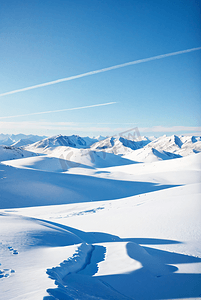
{"points": [[101, 230]]}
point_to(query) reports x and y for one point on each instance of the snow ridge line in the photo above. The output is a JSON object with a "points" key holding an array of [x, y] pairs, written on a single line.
{"points": [[74, 264]]}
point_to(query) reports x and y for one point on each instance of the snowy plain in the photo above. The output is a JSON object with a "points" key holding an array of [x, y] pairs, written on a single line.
{"points": [[110, 219]]}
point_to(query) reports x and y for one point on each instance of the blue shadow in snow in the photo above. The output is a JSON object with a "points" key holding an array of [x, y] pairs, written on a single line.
{"points": [[49, 188], [162, 283]]}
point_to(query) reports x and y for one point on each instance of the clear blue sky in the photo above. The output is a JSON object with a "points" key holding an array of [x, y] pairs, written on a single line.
{"points": [[45, 40]]}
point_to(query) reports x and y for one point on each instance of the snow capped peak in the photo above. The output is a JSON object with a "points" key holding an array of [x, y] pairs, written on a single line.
{"points": [[11, 152], [22, 142], [11, 139], [119, 145], [193, 139], [171, 143], [74, 141], [151, 138], [100, 138], [143, 150], [177, 141], [7, 141]]}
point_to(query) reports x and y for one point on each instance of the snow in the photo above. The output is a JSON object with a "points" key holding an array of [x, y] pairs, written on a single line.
{"points": [[11, 152], [181, 145], [103, 228], [22, 142], [74, 141], [11, 139], [119, 145], [165, 148]]}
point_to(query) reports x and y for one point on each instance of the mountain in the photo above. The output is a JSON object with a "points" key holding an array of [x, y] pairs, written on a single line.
{"points": [[22, 142], [10, 152], [119, 145], [74, 141], [191, 144], [4, 136], [165, 147], [181, 145], [7, 141], [149, 155], [78, 223], [144, 150], [89, 141], [172, 143], [32, 137], [100, 138], [10, 139]]}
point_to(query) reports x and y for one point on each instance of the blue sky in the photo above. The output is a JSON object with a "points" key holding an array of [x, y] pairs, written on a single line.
{"points": [[42, 41]]}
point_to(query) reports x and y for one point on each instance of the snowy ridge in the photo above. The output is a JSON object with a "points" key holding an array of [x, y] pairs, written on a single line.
{"points": [[149, 155], [10, 139], [143, 150], [165, 148], [22, 142], [73, 141], [119, 145], [100, 138], [63, 159], [82, 265], [62, 153], [6, 142], [13, 153], [177, 144], [72, 264]]}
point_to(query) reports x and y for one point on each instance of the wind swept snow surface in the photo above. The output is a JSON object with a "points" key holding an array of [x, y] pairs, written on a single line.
{"points": [[87, 223]]}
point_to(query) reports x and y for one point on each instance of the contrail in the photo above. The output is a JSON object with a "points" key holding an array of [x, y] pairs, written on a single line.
{"points": [[55, 111], [135, 62]]}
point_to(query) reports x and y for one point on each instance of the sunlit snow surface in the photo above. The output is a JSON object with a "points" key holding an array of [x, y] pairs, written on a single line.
{"points": [[90, 225]]}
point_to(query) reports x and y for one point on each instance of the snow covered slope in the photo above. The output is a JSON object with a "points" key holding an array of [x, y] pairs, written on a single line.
{"points": [[61, 159], [10, 139], [119, 145], [182, 145], [142, 226], [6, 141], [143, 150], [22, 142], [148, 155], [74, 141], [165, 148], [116, 230], [10, 152]]}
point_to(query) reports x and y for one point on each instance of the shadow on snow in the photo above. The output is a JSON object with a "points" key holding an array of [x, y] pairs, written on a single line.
{"points": [[28, 188], [156, 279]]}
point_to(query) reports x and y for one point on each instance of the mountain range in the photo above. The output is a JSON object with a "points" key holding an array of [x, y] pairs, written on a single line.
{"points": [[11, 139], [96, 151]]}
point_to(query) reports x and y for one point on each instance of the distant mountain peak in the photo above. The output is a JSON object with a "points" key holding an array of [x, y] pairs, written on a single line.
{"points": [[74, 141]]}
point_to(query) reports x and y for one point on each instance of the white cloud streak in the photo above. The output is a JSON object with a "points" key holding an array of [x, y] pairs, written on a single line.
{"points": [[135, 62], [60, 110]]}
